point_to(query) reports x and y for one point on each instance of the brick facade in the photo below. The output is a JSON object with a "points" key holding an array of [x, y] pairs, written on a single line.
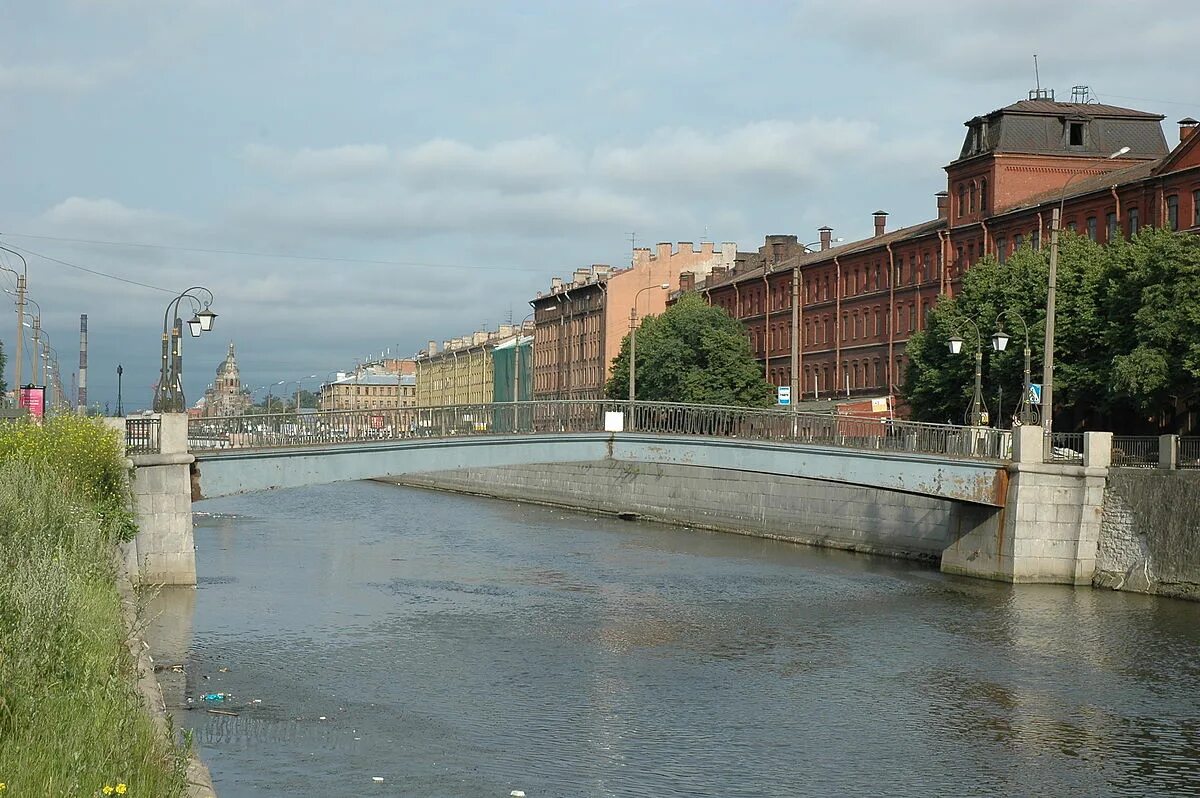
{"points": [[860, 302]]}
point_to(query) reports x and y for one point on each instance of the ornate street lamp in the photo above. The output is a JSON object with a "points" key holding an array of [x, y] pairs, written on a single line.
{"points": [[168, 397], [1000, 341], [977, 413]]}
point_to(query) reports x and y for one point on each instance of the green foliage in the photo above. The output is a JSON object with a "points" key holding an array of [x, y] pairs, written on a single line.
{"points": [[70, 718], [83, 453], [692, 353], [1153, 318], [1127, 331], [3, 363]]}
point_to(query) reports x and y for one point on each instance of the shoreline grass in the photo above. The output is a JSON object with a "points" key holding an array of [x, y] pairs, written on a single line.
{"points": [[71, 720]]}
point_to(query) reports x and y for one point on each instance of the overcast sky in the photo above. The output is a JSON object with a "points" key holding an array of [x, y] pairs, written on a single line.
{"points": [[355, 176]]}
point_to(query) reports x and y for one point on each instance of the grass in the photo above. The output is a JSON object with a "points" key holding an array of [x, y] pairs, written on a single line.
{"points": [[71, 721]]}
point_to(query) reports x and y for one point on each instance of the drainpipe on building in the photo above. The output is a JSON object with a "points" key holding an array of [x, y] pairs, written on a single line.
{"points": [[1041, 229], [1117, 200], [891, 315], [944, 238], [987, 236], [837, 325], [767, 326], [797, 344]]}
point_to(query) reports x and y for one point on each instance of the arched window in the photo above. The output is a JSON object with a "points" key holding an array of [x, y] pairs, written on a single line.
{"points": [[962, 199], [983, 196]]}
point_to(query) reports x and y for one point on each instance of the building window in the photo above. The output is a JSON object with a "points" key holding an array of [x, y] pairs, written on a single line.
{"points": [[1133, 222], [1076, 134], [1091, 227], [962, 199], [1018, 242], [983, 201], [1112, 231], [1196, 208], [974, 190], [1173, 212], [1035, 238], [1073, 226], [1002, 249]]}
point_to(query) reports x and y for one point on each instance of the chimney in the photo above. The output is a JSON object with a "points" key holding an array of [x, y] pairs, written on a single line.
{"points": [[718, 271], [687, 281], [826, 237], [943, 204], [555, 284], [432, 350], [880, 221], [664, 250], [581, 276], [706, 248], [1187, 127]]}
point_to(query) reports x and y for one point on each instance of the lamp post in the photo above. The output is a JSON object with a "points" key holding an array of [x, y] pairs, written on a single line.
{"points": [[168, 398], [22, 286], [120, 409], [1000, 343], [299, 385], [977, 413], [38, 376], [1048, 358], [633, 319]]}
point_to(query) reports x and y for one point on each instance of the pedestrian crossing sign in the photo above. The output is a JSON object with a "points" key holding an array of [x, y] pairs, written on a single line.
{"points": [[1035, 393]]}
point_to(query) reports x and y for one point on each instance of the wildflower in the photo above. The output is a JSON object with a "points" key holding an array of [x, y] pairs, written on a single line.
{"points": [[121, 788], [3, 786], [107, 789]]}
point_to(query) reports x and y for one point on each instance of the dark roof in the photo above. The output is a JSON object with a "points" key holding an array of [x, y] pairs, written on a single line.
{"points": [[1053, 108]]}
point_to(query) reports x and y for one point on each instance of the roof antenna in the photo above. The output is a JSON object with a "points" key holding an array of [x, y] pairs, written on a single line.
{"points": [[1039, 93]]}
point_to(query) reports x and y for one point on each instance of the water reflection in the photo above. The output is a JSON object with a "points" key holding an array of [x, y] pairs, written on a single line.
{"points": [[459, 646]]}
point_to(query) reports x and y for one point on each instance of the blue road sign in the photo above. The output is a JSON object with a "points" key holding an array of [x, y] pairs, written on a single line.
{"points": [[1035, 393]]}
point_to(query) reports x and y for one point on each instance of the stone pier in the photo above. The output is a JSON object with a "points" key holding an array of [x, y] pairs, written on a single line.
{"points": [[163, 552]]}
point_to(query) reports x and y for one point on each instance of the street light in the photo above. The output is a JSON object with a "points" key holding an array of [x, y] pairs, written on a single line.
{"points": [[1048, 358], [120, 409], [22, 286], [299, 385], [977, 413], [168, 397], [1000, 341], [633, 319]]}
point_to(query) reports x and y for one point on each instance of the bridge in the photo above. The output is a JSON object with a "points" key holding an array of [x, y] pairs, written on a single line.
{"points": [[961, 495]]}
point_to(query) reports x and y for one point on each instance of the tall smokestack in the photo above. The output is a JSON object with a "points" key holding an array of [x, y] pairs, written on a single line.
{"points": [[82, 408]]}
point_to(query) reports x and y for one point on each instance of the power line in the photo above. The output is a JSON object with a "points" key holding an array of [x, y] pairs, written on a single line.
{"points": [[96, 272], [279, 255]]}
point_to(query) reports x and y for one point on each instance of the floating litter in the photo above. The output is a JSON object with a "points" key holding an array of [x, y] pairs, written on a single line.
{"points": [[321, 718], [377, 778], [517, 794]]}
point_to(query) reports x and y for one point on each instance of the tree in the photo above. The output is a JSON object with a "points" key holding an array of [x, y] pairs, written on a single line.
{"points": [[3, 362], [1152, 316], [692, 353], [939, 385]]}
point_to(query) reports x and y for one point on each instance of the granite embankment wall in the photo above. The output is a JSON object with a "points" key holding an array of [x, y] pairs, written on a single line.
{"points": [[785, 508], [1150, 532]]}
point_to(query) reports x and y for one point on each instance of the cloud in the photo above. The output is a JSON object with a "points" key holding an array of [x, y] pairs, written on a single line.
{"points": [[57, 77], [768, 149], [346, 162], [106, 216]]}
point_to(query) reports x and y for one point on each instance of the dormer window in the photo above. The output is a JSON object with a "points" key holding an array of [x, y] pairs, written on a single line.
{"points": [[1075, 134]]}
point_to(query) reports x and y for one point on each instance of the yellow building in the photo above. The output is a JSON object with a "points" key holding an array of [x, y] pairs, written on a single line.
{"points": [[462, 372]]}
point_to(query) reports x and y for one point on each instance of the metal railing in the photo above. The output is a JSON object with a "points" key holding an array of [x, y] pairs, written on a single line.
{"points": [[142, 435], [1135, 451], [1065, 447], [1189, 452], [278, 430]]}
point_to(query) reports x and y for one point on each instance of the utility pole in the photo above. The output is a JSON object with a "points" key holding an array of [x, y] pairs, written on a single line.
{"points": [[20, 328], [120, 409], [83, 365]]}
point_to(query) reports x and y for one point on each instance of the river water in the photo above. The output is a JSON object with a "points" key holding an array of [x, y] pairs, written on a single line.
{"points": [[459, 646]]}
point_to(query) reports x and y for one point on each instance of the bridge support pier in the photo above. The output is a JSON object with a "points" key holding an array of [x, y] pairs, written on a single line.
{"points": [[1050, 526], [164, 550]]}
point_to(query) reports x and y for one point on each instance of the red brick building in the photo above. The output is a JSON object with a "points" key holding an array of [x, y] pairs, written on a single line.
{"points": [[853, 307]]}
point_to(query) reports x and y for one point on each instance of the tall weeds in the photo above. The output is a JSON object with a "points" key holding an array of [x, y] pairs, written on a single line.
{"points": [[71, 720]]}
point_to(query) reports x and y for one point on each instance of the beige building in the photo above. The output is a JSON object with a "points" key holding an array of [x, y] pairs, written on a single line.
{"points": [[365, 391], [580, 324], [461, 371]]}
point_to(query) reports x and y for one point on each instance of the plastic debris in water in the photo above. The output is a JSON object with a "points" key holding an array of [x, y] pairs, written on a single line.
{"points": [[517, 794], [214, 696], [377, 778]]}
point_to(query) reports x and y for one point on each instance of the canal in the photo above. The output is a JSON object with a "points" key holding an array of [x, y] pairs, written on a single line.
{"points": [[459, 646]]}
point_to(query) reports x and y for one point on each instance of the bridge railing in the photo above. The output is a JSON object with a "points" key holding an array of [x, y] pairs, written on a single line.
{"points": [[278, 430]]}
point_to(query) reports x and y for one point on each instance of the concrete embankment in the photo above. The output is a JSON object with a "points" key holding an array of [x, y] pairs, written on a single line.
{"points": [[1150, 533], [795, 509], [198, 777]]}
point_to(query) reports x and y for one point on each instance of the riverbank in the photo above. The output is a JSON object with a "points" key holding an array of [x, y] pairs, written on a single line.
{"points": [[72, 721]]}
